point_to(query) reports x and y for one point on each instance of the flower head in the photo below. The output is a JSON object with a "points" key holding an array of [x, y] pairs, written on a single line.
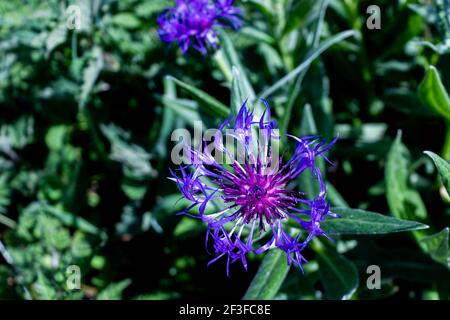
{"points": [[247, 201], [192, 23]]}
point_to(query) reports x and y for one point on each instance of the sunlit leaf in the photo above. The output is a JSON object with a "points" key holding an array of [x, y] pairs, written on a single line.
{"points": [[126, 20], [90, 75], [210, 104], [404, 201], [237, 92], [433, 94], [269, 278], [114, 291], [357, 221], [437, 247], [305, 64], [443, 168]]}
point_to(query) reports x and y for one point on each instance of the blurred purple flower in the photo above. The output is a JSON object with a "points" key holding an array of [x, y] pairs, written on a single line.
{"points": [[246, 205], [192, 23]]}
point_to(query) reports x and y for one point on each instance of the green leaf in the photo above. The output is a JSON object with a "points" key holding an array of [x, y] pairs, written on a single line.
{"points": [[17, 135], [126, 20], [357, 221], [80, 247], [404, 202], [269, 278], [308, 124], [68, 219], [187, 227], [7, 221], [432, 93], [55, 38], [114, 291], [296, 85], [436, 246], [168, 119], [43, 288], [237, 92], [90, 75], [443, 168], [308, 183], [137, 170], [339, 275], [148, 8], [265, 7], [187, 110], [299, 14], [55, 137], [257, 35], [5, 197], [441, 48], [210, 104], [306, 63], [234, 61]]}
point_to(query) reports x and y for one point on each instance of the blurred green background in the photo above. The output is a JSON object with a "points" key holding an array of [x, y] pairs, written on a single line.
{"points": [[86, 116]]}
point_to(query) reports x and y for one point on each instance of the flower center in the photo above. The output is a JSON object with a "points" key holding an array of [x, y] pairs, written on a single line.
{"points": [[259, 197], [256, 192]]}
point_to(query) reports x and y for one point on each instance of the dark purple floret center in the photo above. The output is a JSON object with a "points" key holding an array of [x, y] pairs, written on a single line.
{"points": [[261, 197]]}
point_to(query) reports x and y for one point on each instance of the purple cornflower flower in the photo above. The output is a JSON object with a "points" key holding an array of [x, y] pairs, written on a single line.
{"points": [[193, 22], [246, 205]]}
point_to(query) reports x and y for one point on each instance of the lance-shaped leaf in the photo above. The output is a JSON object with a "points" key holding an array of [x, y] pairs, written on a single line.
{"points": [[90, 75], [305, 64], [238, 95], [436, 246], [404, 201], [269, 278], [309, 185], [233, 60], [357, 221], [338, 274], [432, 93], [210, 104], [443, 168]]}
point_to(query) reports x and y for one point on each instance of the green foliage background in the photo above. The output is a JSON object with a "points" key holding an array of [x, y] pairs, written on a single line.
{"points": [[86, 118]]}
